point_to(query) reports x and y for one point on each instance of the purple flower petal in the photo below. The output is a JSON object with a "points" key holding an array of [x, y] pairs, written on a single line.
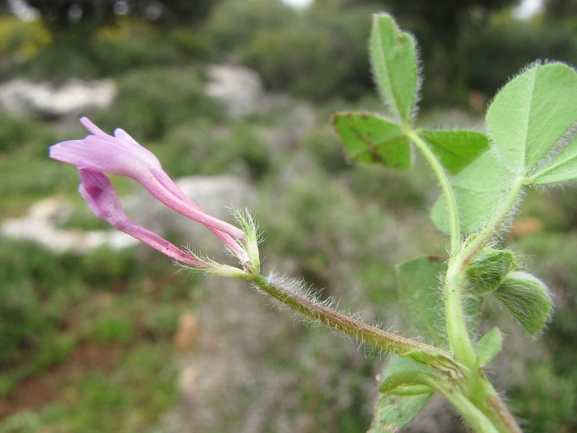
{"points": [[122, 155], [99, 193]]}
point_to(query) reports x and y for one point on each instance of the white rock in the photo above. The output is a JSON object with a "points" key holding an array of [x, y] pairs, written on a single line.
{"points": [[213, 194], [40, 224], [26, 98], [236, 87]]}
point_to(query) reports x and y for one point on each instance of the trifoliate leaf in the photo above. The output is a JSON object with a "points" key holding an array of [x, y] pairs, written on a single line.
{"points": [[528, 299], [456, 149], [370, 138], [531, 122], [488, 347], [395, 66]]}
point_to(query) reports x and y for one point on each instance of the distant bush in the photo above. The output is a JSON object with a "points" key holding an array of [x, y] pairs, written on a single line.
{"points": [[37, 288], [19, 134], [200, 147], [235, 24], [20, 40], [509, 45], [316, 53], [113, 50], [135, 43], [153, 100]]}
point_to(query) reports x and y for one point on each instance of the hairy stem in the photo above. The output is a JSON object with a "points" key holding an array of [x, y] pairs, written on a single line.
{"points": [[455, 280], [476, 386], [492, 227], [459, 340], [355, 328], [457, 332], [454, 224]]}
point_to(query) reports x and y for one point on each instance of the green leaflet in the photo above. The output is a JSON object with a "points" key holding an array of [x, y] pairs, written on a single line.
{"points": [[532, 113], [528, 299], [419, 281], [479, 188], [561, 168], [370, 138], [456, 149], [394, 62], [398, 364], [395, 411], [488, 347]]}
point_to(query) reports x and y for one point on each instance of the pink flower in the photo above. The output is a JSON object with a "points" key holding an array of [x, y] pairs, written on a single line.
{"points": [[104, 203], [122, 155]]}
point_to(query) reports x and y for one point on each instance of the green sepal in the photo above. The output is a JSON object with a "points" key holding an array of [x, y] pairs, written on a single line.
{"points": [[528, 299], [370, 138], [456, 149], [395, 66], [488, 347], [488, 269]]}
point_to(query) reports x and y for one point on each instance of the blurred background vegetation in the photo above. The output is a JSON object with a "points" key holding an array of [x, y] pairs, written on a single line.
{"points": [[86, 341]]}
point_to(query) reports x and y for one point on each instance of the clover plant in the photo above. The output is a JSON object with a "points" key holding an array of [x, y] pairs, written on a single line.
{"points": [[531, 142]]}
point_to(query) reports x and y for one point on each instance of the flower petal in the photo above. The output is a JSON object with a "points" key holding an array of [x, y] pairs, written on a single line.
{"points": [[99, 193], [122, 155]]}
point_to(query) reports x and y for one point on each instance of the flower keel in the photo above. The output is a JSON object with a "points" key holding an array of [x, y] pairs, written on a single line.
{"points": [[99, 193]]}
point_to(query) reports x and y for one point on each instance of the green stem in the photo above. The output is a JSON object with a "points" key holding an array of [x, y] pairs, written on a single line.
{"points": [[454, 224], [478, 421], [483, 237], [459, 340], [355, 328], [477, 387], [457, 332], [470, 413], [455, 280]]}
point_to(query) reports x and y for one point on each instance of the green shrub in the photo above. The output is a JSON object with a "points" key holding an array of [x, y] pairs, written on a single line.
{"points": [[124, 45], [152, 101], [315, 53], [135, 43], [235, 24], [200, 147], [23, 136], [37, 288], [509, 45], [327, 149], [113, 330]]}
